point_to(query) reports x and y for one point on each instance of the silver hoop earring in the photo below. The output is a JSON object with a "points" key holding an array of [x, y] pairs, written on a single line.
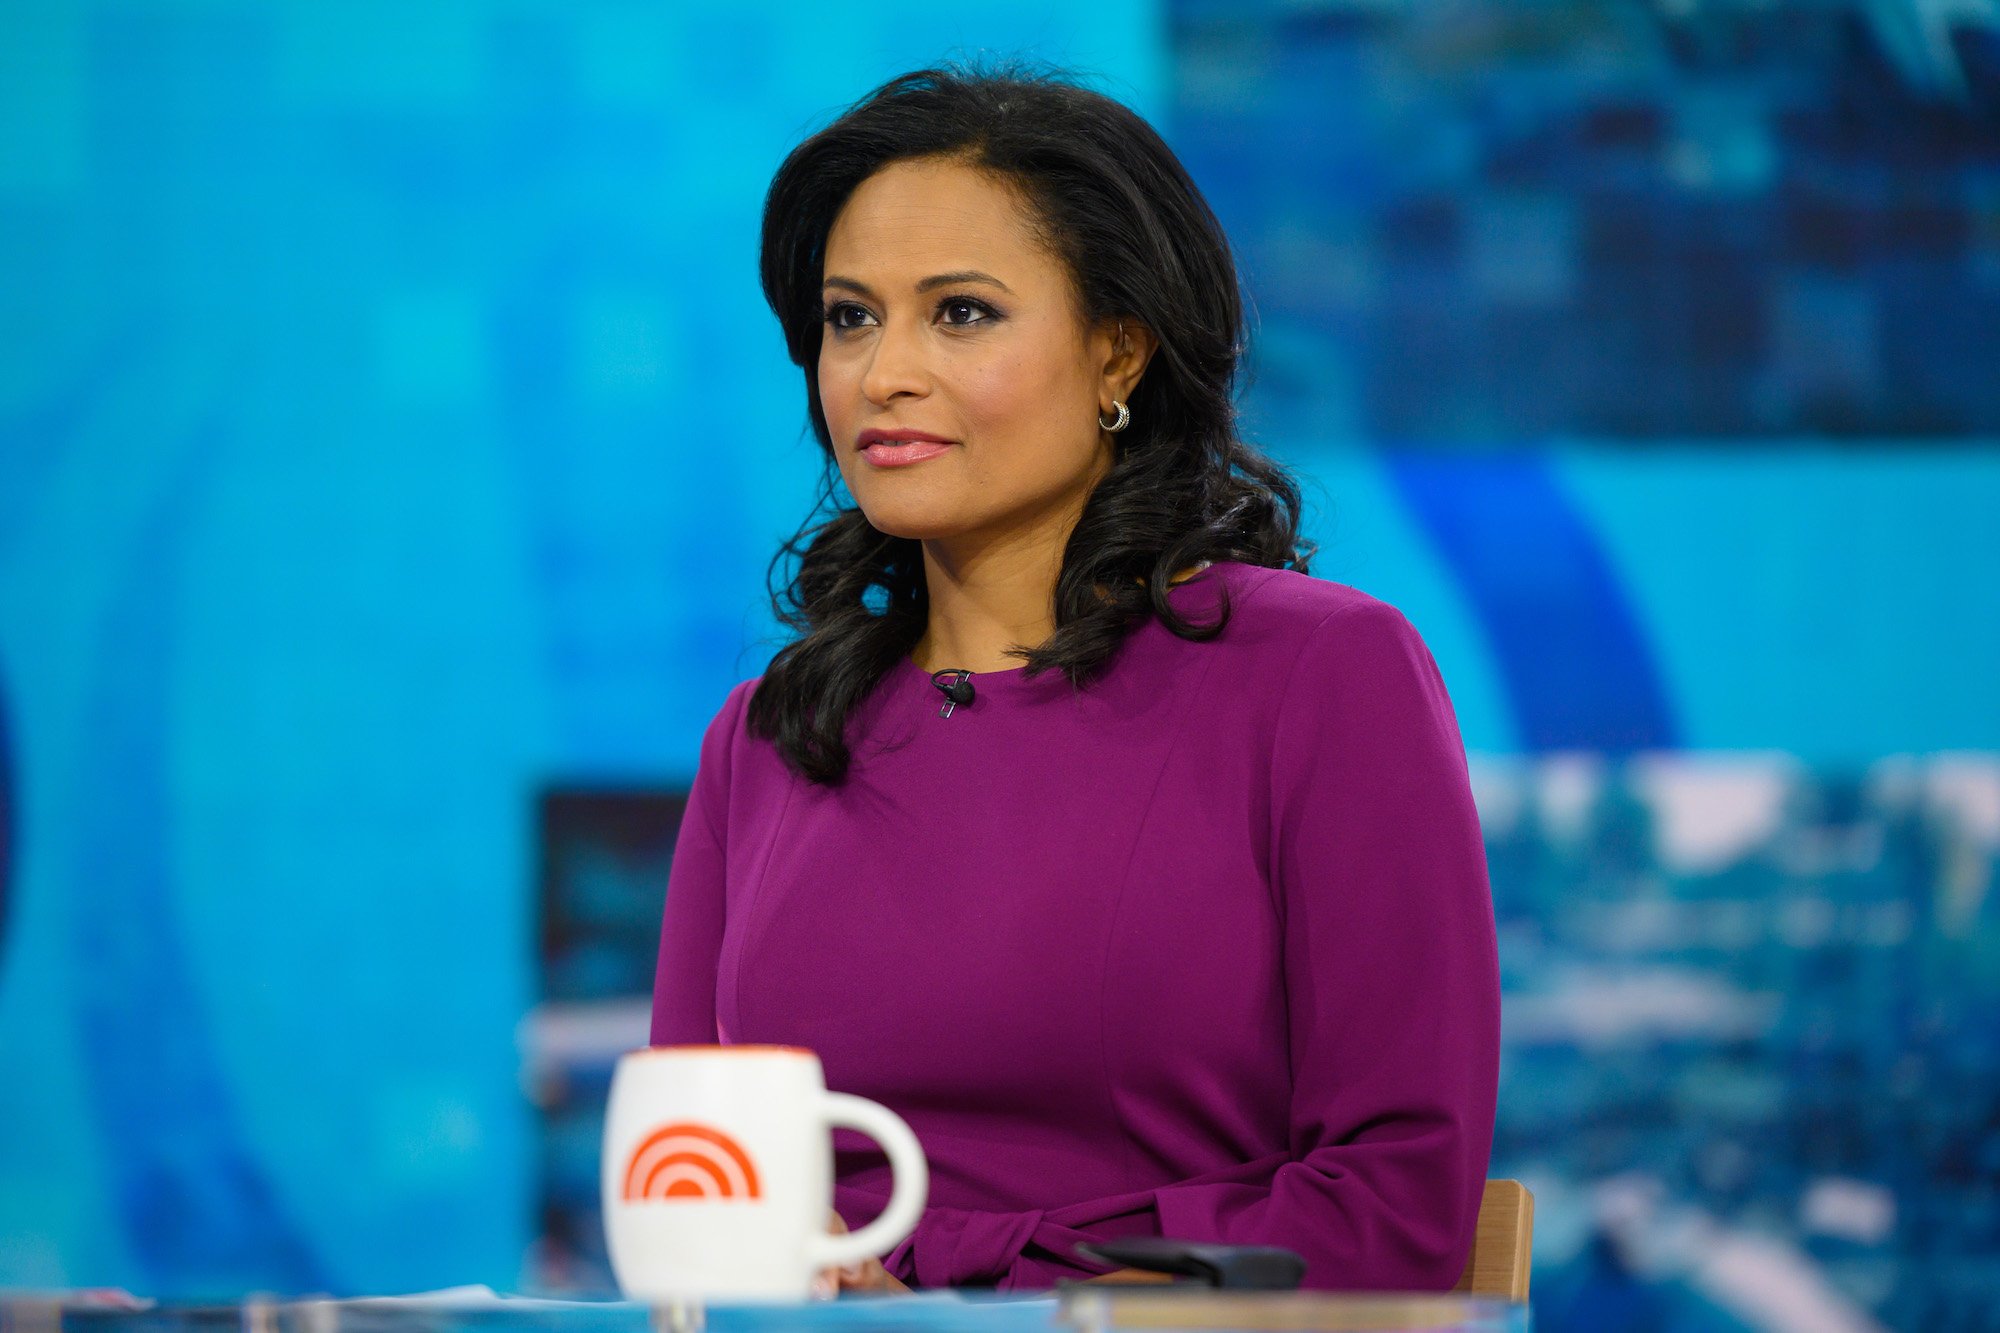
{"points": [[1124, 418]]}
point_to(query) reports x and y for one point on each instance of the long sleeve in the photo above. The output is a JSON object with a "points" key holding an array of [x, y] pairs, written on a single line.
{"points": [[691, 925], [1392, 988]]}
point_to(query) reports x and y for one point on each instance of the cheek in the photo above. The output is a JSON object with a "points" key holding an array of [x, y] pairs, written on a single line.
{"points": [[1014, 393], [1037, 406], [834, 396]]}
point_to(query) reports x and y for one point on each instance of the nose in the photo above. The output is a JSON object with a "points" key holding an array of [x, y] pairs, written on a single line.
{"points": [[896, 364]]}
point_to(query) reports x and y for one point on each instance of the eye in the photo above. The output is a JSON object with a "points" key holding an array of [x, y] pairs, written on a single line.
{"points": [[836, 314], [954, 305]]}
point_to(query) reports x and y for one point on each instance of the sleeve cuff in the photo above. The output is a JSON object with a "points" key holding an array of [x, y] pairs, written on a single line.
{"points": [[952, 1248]]}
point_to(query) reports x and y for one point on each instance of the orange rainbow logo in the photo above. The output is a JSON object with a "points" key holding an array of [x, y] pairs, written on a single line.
{"points": [[691, 1162]]}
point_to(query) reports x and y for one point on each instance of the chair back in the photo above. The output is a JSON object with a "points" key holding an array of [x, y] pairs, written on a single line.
{"points": [[1498, 1265]]}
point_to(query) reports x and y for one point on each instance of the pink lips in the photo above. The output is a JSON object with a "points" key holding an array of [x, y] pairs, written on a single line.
{"points": [[897, 448]]}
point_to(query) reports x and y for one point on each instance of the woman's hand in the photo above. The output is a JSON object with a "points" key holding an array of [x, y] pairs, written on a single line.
{"points": [[862, 1275]]}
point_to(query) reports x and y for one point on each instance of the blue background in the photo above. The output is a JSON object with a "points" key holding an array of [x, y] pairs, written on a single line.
{"points": [[391, 429]]}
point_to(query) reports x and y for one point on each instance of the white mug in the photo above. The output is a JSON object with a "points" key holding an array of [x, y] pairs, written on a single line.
{"points": [[718, 1173]]}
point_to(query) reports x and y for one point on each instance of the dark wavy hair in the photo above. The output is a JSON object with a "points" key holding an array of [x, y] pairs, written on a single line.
{"points": [[1140, 243]]}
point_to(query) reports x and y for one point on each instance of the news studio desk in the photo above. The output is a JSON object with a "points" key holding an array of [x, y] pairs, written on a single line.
{"points": [[1079, 1310]]}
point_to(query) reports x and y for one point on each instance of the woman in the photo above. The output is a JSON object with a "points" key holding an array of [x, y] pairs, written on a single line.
{"points": [[1176, 922]]}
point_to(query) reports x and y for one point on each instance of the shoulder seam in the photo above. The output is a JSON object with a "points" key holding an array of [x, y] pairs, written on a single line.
{"points": [[1284, 701], [1305, 642]]}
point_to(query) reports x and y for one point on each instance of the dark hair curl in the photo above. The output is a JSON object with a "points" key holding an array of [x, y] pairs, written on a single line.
{"points": [[1139, 243]]}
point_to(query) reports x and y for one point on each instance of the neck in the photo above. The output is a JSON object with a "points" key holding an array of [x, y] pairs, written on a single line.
{"points": [[986, 601], [988, 597]]}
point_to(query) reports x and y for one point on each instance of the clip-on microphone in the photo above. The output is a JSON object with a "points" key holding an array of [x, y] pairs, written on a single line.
{"points": [[955, 692]]}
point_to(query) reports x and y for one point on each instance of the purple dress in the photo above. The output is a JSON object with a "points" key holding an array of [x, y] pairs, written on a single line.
{"points": [[1204, 950]]}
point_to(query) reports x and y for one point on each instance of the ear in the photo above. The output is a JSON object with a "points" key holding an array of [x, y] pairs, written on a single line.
{"points": [[1123, 347]]}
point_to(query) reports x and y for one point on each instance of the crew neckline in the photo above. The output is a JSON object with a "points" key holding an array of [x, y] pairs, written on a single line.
{"points": [[1009, 681], [1006, 679]]}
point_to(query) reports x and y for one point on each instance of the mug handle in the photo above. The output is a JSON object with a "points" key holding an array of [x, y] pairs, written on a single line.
{"points": [[906, 1198]]}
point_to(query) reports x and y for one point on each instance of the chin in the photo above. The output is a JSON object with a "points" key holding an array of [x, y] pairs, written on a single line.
{"points": [[914, 525], [913, 517]]}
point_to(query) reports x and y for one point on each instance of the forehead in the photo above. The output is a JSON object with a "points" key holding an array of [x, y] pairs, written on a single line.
{"points": [[914, 218]]}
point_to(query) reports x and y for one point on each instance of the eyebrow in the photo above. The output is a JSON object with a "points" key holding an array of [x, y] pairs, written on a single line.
{"points": [[936, 280]]}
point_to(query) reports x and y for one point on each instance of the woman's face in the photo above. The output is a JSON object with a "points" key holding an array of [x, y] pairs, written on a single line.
{"points": [[947, 318]]}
